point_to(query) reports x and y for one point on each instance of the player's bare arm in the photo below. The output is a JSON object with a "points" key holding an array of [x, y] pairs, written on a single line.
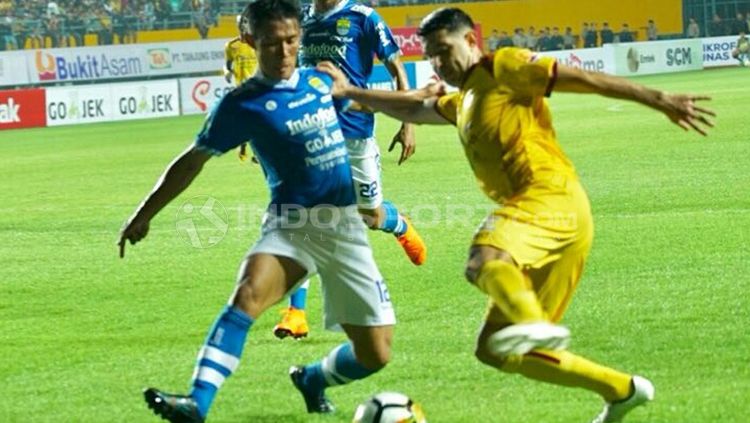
{"points": [[405, 135], [175, 179], [414, 106], [679, 108]]}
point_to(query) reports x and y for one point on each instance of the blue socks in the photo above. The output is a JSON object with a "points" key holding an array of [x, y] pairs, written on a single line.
{"points": [[299, 298], [219, 356], [393, 221], [339, 367]]}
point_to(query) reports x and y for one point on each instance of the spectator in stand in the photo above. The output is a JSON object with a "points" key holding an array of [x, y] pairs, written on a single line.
{"points": [[717, 28], [505, 40], [519, 39], [542, 43], [569, 40], [626, 35], [607, 36], [742, 51], [493, 41], [6, 29], [693, 30], [652, 33], [532, 39], [591, 38], [739, 25], [584, 33], [52, 30], [202, 21], [76, 27], [556, 41], [147, 16]]}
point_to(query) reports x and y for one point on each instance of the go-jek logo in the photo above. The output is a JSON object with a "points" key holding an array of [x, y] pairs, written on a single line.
{"points": [[91, 66]]}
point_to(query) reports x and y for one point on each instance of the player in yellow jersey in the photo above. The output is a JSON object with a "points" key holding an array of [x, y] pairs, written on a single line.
{"points": [[241, 61], [241, 64], [528, 255]]}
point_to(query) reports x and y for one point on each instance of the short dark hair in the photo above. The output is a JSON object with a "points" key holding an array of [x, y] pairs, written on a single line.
{"points": [[260, 12], [448, 18]]}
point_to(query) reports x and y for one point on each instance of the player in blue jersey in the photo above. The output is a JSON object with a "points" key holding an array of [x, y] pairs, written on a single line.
{"points": [[351, 35], [312, 224]]}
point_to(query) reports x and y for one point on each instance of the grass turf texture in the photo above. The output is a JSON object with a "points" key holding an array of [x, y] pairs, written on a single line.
{"points": [[664, 294]]}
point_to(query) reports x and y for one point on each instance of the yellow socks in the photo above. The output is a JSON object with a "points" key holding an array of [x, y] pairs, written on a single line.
{"points": [[510, 290], [567, 369]]}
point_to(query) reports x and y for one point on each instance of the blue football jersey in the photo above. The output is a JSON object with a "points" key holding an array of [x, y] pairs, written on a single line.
{"points": [[349, 35], [294, 132]]}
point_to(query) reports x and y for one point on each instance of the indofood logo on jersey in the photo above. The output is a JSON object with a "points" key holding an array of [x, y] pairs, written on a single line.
{"points": [[324, 50], [52, 67], [342, 26], [311, 121]]}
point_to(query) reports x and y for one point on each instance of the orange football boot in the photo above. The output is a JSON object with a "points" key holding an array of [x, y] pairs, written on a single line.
{"points": [[293, 323], [413, 244]]}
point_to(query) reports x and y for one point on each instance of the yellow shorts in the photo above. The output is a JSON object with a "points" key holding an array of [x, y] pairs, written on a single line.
{"points": [[548, 230]]}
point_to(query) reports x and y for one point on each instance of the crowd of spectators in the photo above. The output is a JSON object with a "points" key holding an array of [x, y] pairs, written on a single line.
{"points": [[551, 39], [62, 23], [719, 27]]}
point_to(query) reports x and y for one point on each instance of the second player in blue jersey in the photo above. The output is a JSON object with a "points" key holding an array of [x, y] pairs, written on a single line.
{"points": [[352, 35]]}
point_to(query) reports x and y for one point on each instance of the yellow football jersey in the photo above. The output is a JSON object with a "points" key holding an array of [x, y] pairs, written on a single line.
{"points": [[505, 124], [243, 59]]}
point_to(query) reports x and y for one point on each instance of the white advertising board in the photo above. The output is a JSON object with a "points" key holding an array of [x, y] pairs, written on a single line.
{"points": [[653, 57], [717, 51], [590, 59], [82, 104], [124, 61], [13, 69], [108, 102], [198, 95], [146, 99]]}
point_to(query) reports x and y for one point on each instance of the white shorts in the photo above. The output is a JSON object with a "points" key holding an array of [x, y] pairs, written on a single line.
{"points": [[332, 242], [364, 157]]}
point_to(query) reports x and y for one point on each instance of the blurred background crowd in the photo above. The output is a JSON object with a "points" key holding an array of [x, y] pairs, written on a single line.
{"points": [[64, 23]]}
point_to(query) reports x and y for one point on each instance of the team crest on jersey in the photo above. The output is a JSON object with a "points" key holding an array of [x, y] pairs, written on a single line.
{"points": [[319, 85], [342, 26]]}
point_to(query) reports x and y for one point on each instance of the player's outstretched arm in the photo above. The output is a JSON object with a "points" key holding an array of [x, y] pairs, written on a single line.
{"points": [[415, 106], [172, 182], [405, 134], [679, 108]]}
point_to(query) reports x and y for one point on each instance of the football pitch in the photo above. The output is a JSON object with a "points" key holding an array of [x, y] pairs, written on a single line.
{"points": [[665, 293]]}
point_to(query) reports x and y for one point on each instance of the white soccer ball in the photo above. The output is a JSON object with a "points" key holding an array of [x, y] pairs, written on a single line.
{"points": [[389, 407]]}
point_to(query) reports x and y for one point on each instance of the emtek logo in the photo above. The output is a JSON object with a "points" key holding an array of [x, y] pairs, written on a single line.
{"points": [[9, 111], [50, 67]]}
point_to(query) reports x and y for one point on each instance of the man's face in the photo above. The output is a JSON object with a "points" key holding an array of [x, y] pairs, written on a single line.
{"points": [[450, 53], [276, 46]]}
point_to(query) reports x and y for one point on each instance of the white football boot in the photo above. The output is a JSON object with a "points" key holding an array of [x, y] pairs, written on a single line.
{"points": [[521, 338], [643, 392]]}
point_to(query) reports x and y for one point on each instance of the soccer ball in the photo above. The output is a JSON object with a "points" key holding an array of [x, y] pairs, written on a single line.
{"points": [[389, 407]]}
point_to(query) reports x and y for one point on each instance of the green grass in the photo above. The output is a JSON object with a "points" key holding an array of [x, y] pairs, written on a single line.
{"points": [[665, 293]]}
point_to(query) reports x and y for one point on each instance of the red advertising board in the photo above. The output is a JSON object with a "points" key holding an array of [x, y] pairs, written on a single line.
{"points": [[411, 45], [22, 108]]}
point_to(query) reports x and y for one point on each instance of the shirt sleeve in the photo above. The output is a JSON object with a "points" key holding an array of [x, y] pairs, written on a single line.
{"points": [[447, 107], [385, 46], [524, 72], [221, 131]]}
